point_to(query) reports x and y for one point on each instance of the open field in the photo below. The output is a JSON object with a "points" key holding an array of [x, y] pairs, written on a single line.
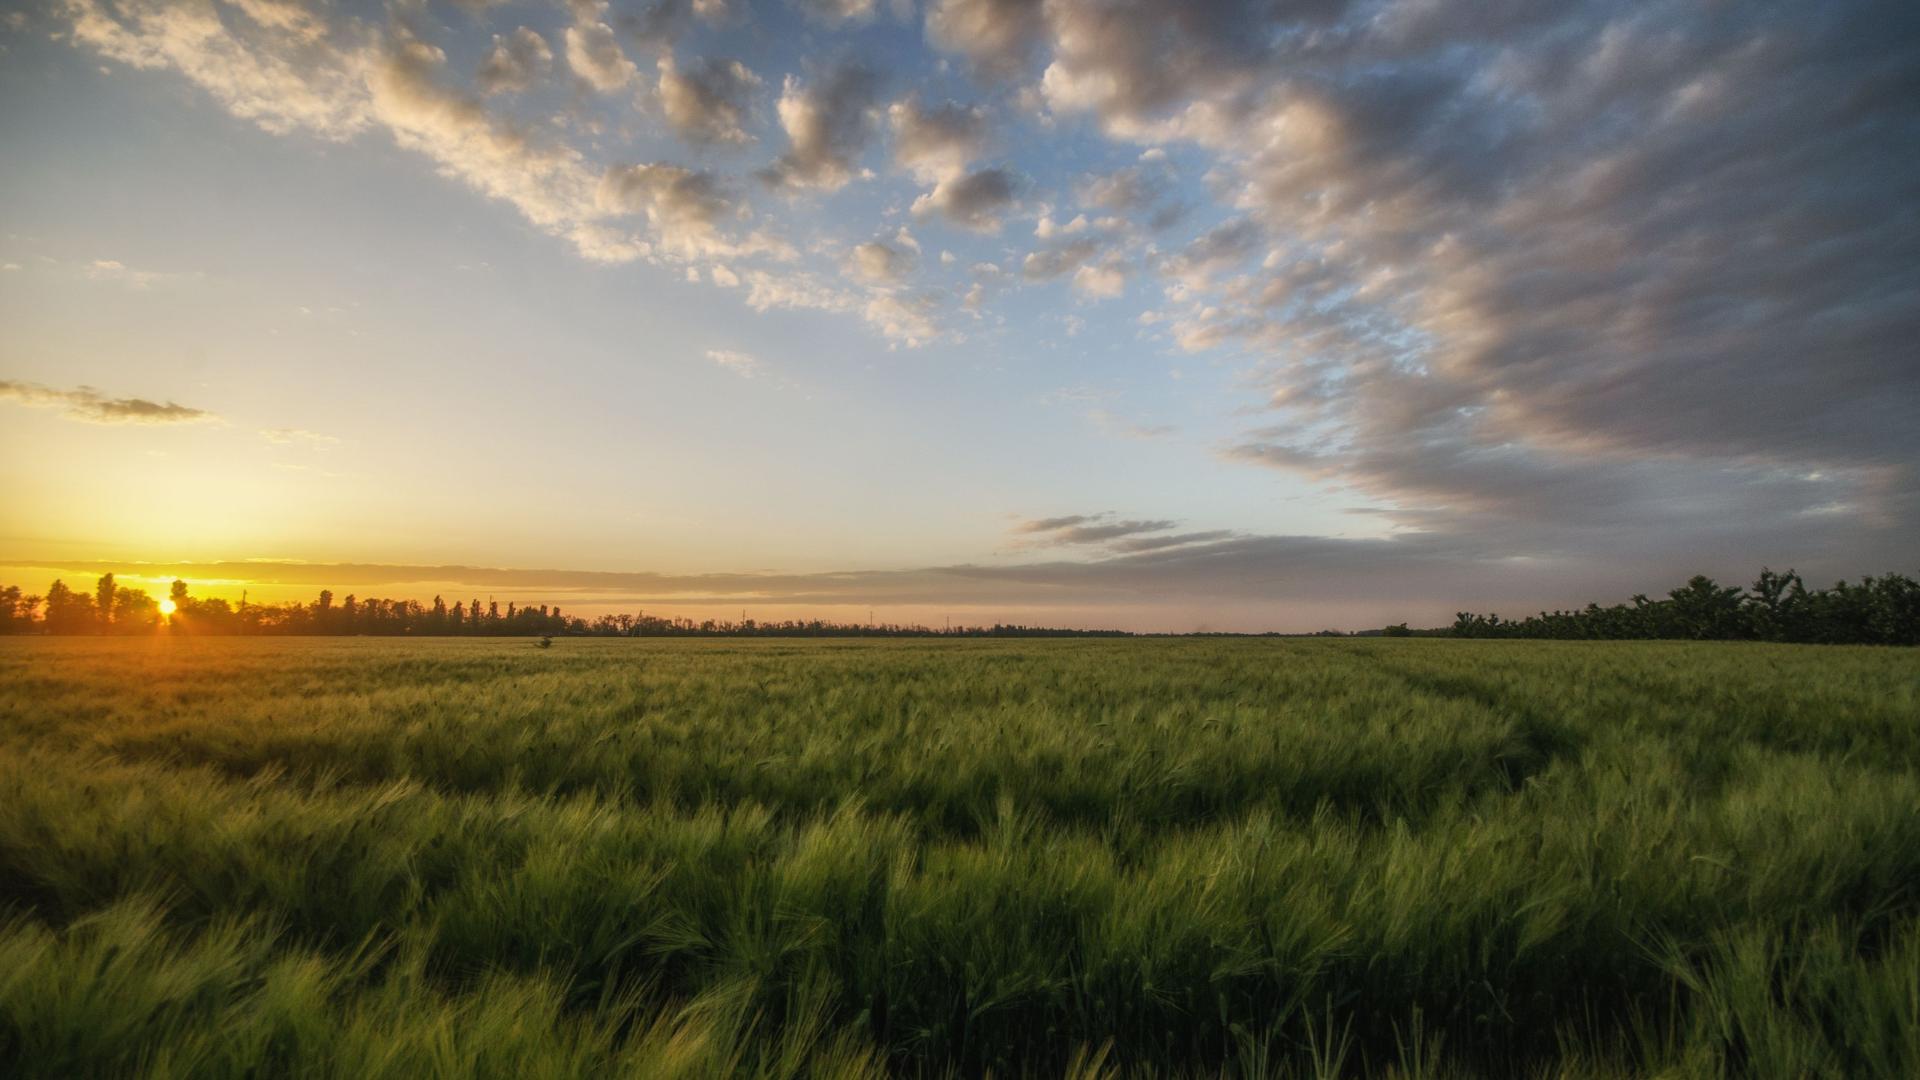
{"points": [[350, 857]]}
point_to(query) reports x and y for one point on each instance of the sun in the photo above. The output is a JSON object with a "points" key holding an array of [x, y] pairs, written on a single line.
{"points": [[168, 607]]}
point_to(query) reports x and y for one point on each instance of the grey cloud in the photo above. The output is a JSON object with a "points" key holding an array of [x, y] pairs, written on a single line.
{"points": [[1049, 524], [707, 103], [883, 263], [1537, 267], [86, 403], [938, 143], [684, 206], [660, 22], [997, 36], [1137, 544], [517, 59], [1128, 190], [828, 125], [1219, 248], [974, 200], [1132, 61], [1052, 262], [1076, 529]]}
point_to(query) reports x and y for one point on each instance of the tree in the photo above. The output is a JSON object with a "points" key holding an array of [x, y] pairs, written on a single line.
{"points": [[68, 612], [134, 611], [15, 616], [103, 600]]}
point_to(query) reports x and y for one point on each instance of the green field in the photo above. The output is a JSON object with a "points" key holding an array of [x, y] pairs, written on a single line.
{"points": [[358, 858]]}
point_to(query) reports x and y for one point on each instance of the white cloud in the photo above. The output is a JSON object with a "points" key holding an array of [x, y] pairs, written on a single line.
{"points": [[595, 54], [741, 364], [1103, 280]]}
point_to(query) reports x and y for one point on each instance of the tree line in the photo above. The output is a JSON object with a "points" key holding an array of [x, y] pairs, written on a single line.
{"points": [[1776, 607], [112, 608]]}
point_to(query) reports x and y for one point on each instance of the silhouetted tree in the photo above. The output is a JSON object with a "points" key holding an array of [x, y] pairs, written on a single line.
{"points": [[103, 600], [134, 611], [68, 612], [1777, 607]]}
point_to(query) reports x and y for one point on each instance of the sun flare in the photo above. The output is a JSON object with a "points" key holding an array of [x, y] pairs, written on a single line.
{"points": [[168, 607]]}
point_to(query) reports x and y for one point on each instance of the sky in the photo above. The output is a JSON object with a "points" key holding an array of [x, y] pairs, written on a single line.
{"points": [[1146, 314]]}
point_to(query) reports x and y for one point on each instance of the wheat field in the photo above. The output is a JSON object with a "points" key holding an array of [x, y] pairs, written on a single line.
{"points": [[1261, 857]]}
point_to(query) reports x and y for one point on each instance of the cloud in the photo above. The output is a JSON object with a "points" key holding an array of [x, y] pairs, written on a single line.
{"points": [[1219, 248], [997, 36], [1103, 280], [86, 403], [1052, 262], [1492, 313], [707, 104], [1127, 190], [516, 60], [796, 292], [1080, 529], [975, 200], [904, 319], [877, 261], [595, 55], [115, 270], [657, 23], [549, 183], [1135, 545], [339, 80], [836, 11], [741, 364], [683, 205], [1137, 62], [939, 143], [291, 436], [1047, 229], [828, 125], [281, 81]]}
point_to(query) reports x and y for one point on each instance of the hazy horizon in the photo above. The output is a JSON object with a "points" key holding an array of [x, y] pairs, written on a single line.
{"points": [[1144, 315]]}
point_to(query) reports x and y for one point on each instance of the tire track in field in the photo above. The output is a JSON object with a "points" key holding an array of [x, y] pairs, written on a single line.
{"points": [[1544, 737]]}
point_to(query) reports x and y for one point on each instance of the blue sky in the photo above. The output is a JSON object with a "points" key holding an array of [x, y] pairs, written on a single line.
{"points": [[1130, 313]]}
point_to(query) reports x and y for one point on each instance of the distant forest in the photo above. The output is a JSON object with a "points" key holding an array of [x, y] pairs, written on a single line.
{"points": [[114, 609], [1777, 607]]}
